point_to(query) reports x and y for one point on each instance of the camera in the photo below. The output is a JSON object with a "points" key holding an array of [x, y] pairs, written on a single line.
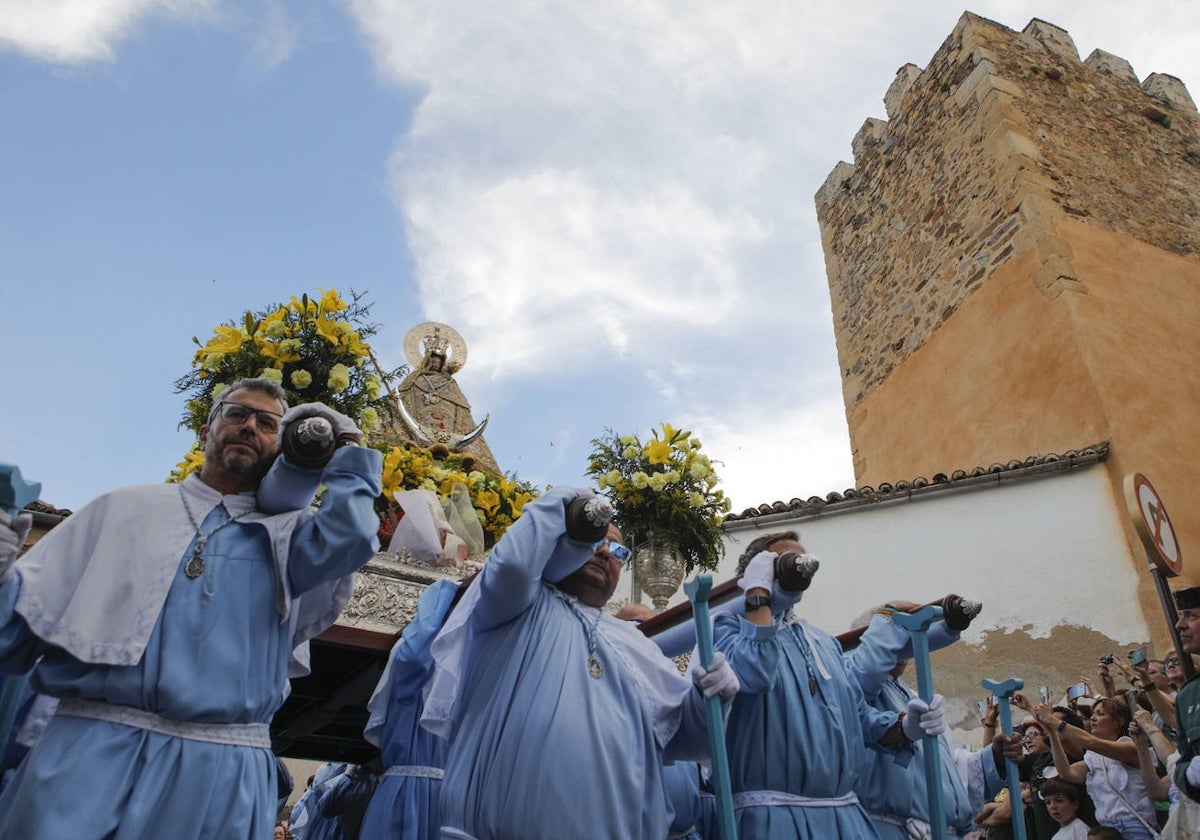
{"points": [[1107, 659]]}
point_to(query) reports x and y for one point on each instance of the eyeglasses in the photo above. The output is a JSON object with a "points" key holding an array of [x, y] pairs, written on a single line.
{"points": [[1174, 660], [615, 550], [236, 414]]}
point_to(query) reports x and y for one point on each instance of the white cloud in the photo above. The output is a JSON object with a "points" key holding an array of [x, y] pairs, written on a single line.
{"points": [[775, 449], [78, 31], [275, 36]]}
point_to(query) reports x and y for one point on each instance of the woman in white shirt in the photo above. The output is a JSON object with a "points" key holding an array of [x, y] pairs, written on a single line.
{"points": [[1109, 767]]}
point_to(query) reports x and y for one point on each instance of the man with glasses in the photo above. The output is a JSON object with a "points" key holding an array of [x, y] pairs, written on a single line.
{"points": [[168, 618], [558, 716]]}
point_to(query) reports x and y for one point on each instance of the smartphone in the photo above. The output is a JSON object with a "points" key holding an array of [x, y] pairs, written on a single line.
{"points": [[1138, 656], [1044, 692], [983, 707], [1076, 691], [1131, 700]]}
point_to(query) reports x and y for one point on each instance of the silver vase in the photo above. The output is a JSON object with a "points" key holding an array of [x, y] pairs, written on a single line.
{"points": [[660, 572]]}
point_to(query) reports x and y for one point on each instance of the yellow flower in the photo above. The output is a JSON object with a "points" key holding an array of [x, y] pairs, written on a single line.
{"points": [[192, 462], [339, 378], [226, 340], [614, 477], [372, 386], [487, 501], [301, 379], [331, 301], [658, 451], [631, 452], [275, 329], [355, 347], [369, 418], [640, 480], [628, 440], [327, 329], [657, 481], [272, 374], [282, 352], [520, 500], [219, 389]]}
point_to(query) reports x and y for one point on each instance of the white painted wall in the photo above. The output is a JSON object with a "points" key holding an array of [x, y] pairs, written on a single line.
{"points": [[1039, 552]]}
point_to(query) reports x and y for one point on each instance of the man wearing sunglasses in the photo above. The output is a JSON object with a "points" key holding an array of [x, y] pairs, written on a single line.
{"points": [[168, 618], [558, 716]]}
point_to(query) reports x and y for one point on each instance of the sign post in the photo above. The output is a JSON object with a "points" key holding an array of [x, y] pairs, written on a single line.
{"points": [[1152, 524]]}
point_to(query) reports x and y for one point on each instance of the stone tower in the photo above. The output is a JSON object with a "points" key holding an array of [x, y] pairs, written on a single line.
{"points": [[1014, 266]]}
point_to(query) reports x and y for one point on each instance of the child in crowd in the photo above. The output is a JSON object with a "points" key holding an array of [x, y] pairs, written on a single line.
{"points": [[1062, 802]]}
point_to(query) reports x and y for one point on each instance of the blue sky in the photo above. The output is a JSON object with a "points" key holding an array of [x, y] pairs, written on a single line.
{"points": [[612, 203]]}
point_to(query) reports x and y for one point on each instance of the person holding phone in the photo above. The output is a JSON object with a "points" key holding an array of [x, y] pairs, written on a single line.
{"points": [[1109, 768]]}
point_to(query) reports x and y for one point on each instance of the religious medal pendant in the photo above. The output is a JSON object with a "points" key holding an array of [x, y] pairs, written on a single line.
{"points": [[812, 684], [195, 563], [595, 669]]}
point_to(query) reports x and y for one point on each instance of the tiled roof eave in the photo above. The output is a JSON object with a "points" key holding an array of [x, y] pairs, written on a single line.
{"points": [[959, 480]]}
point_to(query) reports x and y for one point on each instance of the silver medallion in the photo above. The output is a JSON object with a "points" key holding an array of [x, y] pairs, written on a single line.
{"points": [[595, 669], [194, 567]]}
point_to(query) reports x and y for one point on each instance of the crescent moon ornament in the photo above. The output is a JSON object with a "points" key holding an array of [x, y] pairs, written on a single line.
{"points": [[427, 437]]}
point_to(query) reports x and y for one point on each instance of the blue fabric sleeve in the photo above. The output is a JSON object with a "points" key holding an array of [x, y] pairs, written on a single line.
{"points": [[879, 650], [341, 536], [19, 648], [752, 651]]}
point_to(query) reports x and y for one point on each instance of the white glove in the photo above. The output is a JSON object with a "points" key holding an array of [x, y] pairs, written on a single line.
{"points": [[13, 531], [924, 719], [718, 681], [760, 572], [343, 426], [1192, 774]]}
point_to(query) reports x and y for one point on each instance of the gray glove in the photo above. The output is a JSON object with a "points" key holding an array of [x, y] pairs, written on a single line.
{"points": [[343, 426], [13, 531]]}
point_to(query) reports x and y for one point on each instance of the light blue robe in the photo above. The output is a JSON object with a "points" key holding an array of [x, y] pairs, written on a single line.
{"points": [[540, 750], [892, 793], [785, 738], [218, 653], [406, 807], [682, 779]]}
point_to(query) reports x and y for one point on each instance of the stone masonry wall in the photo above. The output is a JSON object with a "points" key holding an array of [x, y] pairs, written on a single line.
{"points": [[1000, 131]]}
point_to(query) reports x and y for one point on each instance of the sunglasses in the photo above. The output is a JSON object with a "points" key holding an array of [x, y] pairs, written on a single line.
{"points": [[1174, 660], [615, 550]]}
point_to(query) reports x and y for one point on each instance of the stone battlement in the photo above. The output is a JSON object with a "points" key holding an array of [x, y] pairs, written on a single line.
{"points": [[1001, 133]]}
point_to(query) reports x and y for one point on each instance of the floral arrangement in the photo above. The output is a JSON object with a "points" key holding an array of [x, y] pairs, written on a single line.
{"points": [[498, 499], [663, 490], [315, 348]]}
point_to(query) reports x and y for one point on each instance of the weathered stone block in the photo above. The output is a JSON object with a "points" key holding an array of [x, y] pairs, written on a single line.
{"points": [[900, 85], [1111, 65], [835, 183], [1055, 39], [871, 135], [1169, 89]]}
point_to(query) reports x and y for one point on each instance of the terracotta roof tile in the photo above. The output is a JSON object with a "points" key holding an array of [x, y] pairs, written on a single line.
{"points": [[1051, 462]]}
